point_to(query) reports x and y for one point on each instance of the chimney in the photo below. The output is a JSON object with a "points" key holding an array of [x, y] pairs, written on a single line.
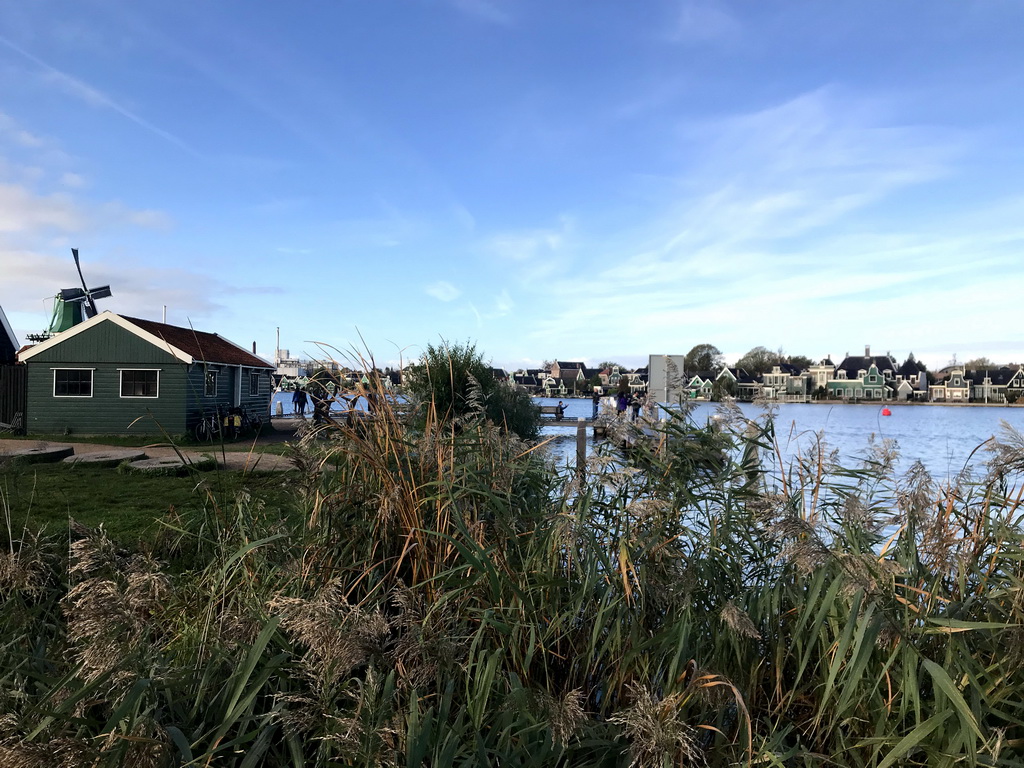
{"points": [[867, 350], [254, 347]]}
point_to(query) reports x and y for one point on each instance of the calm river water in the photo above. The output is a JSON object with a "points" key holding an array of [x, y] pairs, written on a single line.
{"points": [[940, 437]]}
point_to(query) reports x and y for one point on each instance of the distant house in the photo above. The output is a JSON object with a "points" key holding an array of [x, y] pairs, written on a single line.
{"points": [[910, 381], [638, 379], [956, 388], [863, 378], [785, 382], [113, 374], [701, 385], [739, 383], [526, 381], [1015, 386], [822, 373], [561, 369], [989, 386]]}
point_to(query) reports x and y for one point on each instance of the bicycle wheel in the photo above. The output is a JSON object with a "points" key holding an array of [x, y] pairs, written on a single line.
{"points": [[202, 431]]}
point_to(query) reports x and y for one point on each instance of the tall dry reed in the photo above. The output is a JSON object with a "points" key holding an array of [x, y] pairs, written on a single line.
{"points": [[439, 594]]}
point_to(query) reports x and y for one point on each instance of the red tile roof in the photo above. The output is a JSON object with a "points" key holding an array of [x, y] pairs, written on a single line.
{"points": [[204, 347]]}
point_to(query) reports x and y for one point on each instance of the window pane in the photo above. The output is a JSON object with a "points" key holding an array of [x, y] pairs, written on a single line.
{"points": [[254, 384], [139, 383], [72, 383], [211, 384]]}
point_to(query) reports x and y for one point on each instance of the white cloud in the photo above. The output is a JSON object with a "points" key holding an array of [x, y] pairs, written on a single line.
{"points": [[443, 291], [702, 21], [503, 304], [776, 232], [72, 180], [535, 254], [486, 10], [462, 215], [31, 278], [26, 212], [23, 211]]}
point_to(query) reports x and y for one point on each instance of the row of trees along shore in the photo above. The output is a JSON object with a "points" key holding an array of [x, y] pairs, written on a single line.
{"points": [[761, 360], [435, 592]]}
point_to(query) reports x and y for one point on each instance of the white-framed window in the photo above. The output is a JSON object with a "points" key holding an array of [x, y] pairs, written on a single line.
{"points": [[72, 382], [140, 382], [254, 384], [210, 384]]}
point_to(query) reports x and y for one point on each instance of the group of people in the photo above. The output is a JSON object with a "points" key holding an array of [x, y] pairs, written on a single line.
{"points": [[322, 400], [624, 401], [321, 403]]}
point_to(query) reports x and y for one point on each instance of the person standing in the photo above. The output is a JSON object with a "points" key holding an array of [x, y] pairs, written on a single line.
{"points": [[299, 402], [597, 402], [559, 411], [635, 403], [621, 403]]}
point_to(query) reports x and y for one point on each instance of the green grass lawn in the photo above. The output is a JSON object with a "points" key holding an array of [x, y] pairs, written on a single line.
{"points": [[46, 496]]}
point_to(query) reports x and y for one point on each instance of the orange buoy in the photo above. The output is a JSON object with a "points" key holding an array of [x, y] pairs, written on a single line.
{"points": [[886, 412]]}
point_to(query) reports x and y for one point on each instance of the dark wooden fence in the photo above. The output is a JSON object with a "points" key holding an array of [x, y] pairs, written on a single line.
{"points": [[13, 389]]}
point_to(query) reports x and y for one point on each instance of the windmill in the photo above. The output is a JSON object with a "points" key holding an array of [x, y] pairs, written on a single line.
{"points": [[84, 295], [73, 305]]}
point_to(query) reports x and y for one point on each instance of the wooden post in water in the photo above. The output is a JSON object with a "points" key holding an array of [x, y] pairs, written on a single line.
{"points": [[581, 446]]}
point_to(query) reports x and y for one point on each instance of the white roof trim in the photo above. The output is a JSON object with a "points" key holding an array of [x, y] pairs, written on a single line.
{"points": [[10, 331], [117, 320]]}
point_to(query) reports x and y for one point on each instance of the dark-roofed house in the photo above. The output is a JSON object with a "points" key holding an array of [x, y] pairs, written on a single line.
{"points": [[911, 381], [956, 388], [739, 383], [12, 379], [527, 382], [701, 385], [561, 369], [785, 383], [113, 374], [8, 342], [989, 386], [869, 377]]}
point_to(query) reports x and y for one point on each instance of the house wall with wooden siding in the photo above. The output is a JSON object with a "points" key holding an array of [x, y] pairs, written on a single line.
{"points": [[228, 393], [107, 349], [12, 392]]}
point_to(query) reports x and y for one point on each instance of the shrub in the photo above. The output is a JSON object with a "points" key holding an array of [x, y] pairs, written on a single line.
{"points": [[452, 383]]}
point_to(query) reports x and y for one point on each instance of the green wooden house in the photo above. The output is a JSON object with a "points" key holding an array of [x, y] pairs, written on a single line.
{"points": [[123, 375]]}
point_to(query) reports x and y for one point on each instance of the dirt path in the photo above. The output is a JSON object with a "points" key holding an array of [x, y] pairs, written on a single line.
{"points": [[242, 456]]}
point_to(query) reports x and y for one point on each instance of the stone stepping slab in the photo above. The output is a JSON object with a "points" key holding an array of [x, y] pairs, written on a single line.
{"points": [[171, 465], [105, 458], [42, 454]]}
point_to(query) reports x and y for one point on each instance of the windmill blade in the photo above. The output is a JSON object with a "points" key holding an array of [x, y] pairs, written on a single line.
{"points": [[88, 305], [71, 294], [103, 292]]}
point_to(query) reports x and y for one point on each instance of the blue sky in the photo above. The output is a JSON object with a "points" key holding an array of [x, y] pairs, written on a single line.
{"points": [[576, 180]]}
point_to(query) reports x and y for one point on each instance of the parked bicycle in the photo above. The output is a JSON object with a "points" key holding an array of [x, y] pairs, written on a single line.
{"points": [[245, 422], [229, 423], [208, 428]]}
